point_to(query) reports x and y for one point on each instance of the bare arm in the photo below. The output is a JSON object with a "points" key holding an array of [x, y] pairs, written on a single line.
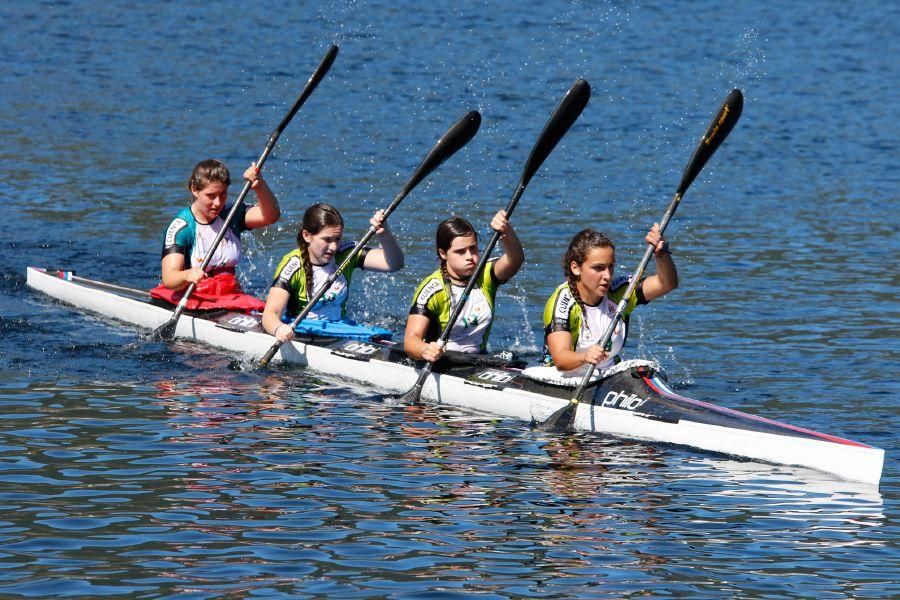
{"points": [[267, 210], [666, 278], [513, 254], [566, 359], [389, 257], [414, 343], [276, 302], [175, 276]]}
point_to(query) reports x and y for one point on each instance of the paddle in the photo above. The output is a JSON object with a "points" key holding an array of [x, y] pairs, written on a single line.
{"points": [[167, 330], [562, 118], [456, 137], [716, 133]]}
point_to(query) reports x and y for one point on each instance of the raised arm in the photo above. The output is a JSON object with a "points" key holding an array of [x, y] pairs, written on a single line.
{"points": [[666, 277], [513, 254], [389, 257], [267, 210]]}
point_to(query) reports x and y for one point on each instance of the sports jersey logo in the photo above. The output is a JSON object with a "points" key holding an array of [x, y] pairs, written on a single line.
{"points": [[430, 289], [292, 266], [174, 227], [564, 304], [610, 308]]}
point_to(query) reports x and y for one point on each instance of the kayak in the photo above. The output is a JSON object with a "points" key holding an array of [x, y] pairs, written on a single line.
{"points": [[631, 401]]}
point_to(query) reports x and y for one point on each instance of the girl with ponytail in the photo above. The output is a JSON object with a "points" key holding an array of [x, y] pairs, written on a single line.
{"points": [[580, 310], [319, 252]]}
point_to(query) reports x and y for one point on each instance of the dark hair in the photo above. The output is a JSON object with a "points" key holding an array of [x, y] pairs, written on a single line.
{"points": [[316, 218], [206, 172], [447, 231], [579, 248]]}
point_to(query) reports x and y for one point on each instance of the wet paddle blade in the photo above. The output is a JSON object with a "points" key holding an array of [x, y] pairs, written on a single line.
{"points": [[560, 421], [412, 397], [718, 130], [312, 83], [166, 331]]}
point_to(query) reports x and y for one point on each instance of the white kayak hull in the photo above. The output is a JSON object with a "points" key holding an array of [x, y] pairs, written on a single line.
{"points": [[635, 404]]}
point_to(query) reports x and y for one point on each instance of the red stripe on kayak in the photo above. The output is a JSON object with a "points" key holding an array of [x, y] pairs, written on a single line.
{"points": [[659, 388]]}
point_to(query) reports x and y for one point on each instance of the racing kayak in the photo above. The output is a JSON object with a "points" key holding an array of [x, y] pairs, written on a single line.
{"points": [[631, 401]]}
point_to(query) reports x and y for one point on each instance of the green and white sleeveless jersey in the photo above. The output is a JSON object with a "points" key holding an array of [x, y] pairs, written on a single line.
{"points": [[563, 313], [290, 276], [435, 298]]}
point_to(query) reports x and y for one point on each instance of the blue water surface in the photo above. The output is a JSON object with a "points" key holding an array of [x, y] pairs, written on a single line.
{"points": [[145, 469]]}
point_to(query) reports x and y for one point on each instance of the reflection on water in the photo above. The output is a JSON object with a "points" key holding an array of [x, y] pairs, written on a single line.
{"points": [[223, 481]]}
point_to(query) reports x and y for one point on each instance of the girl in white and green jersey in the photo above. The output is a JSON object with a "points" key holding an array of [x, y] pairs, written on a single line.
{"points": [[580, 310], [320, 249], [437, 295]]}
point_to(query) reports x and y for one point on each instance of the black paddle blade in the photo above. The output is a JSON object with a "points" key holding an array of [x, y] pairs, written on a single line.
{"points": [[560, 421], [718, 130], [412, 397], [456, 137], [566, 113], [165, 332]]}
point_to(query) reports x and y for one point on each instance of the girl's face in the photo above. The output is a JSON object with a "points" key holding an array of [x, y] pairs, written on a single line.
{"points": [[594, 274], [209, 201], [323, 245], [461, 256]]}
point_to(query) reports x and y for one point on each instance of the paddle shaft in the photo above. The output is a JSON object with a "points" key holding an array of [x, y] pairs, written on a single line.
{"points": [[459, 134], [168, 328]]}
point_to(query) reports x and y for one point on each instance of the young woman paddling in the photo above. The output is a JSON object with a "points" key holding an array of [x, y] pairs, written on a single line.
{"points": [[437, 294], [193, 230], [304, 270], [580, 310]]}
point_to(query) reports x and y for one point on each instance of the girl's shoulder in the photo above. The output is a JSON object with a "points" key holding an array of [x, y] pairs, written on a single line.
{"points": [[290, 264], [560, 304], [185, 215], [430, 286]]}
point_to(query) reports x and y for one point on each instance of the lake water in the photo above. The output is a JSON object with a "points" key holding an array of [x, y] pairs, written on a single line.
{"points": [[150, 469]]}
